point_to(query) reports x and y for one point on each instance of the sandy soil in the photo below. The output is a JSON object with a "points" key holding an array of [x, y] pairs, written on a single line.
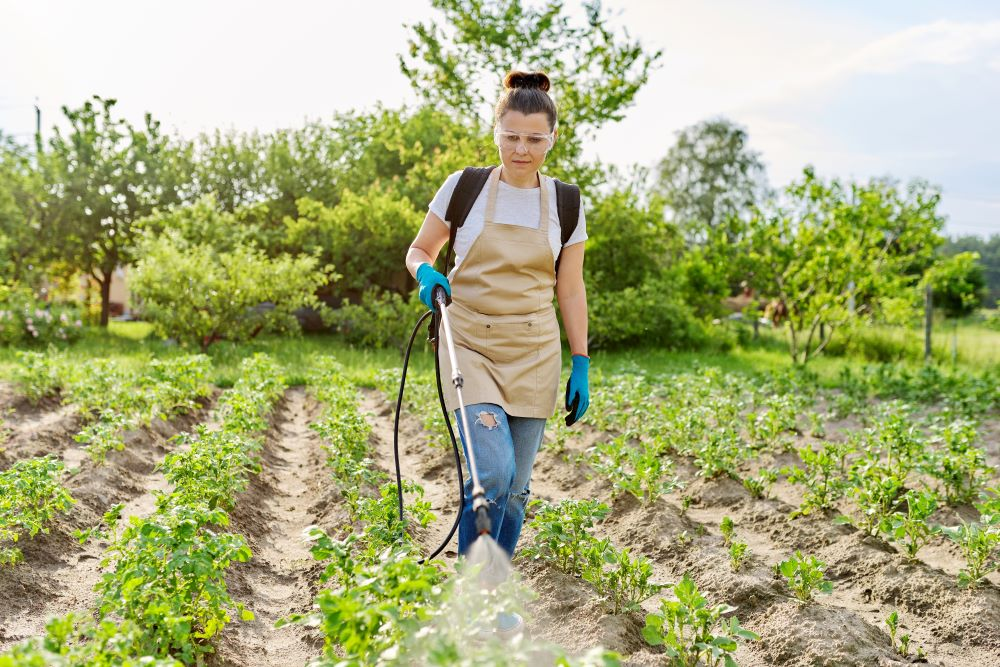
{"points": [[58, 574], [871, 578]]}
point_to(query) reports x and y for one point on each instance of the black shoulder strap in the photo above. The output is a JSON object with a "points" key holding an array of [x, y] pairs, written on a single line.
{"points": [[568, 206], [469, 185]]}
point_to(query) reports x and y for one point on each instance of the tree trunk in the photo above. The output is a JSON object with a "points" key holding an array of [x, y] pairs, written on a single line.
{"points": [[105, 284]]}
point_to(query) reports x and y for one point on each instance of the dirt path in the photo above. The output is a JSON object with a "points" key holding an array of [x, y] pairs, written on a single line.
{"points": [[291, 493], [433, 468]]}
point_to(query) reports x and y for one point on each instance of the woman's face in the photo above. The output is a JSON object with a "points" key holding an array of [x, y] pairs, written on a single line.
{"points": [[523, 141]]}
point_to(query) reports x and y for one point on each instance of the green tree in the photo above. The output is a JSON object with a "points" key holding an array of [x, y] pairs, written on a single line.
{"points": [[365, 236], [103, 176], [710, 177], [21, 207], [957, 283], [989, 258], [595, 72], [409, 151], [840, 255], [231, 167], [629, 242]]}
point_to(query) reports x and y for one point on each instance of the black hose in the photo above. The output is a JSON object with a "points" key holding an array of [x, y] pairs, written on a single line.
{"points": [[435, 323]]}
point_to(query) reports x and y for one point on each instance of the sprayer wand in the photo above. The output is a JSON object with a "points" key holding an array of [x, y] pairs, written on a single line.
{"points": [[479, 504]]}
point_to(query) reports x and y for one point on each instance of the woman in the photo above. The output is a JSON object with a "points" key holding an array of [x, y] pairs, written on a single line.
{"points": [[504, 325]]}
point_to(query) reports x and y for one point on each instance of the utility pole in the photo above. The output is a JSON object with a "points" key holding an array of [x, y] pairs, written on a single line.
{"points": [[928, 317], [38, 132]]}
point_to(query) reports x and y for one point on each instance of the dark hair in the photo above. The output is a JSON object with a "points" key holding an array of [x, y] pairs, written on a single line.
{"points": [[526, 92]]}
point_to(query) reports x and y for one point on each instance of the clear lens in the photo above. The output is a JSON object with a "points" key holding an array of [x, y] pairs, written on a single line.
{"points": [[533, 142]]}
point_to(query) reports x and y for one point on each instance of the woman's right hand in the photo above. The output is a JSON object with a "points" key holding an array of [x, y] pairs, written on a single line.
{"points": [[429, 278]]}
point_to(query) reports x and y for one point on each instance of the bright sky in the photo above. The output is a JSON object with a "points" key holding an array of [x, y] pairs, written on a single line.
{"points": [[909, 88]]}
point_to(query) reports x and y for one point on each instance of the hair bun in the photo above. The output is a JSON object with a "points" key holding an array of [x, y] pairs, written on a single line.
{"points": [[517, 79]]}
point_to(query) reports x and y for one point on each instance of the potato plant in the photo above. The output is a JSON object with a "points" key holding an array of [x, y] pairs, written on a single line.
{"points": [[738, 555], [693, 632], [911, 528], [31, 496], [875, 492], [823, 473], [210, 467], [37, 375], [760, 484], [104, 434], [165, 573], [76, 640], [980, 545], [805, 576], [622, 581], [167, 577], [641, 469], [563, 532]]}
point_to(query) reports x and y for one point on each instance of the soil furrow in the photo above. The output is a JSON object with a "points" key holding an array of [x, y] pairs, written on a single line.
{"points": [[291, 493]]}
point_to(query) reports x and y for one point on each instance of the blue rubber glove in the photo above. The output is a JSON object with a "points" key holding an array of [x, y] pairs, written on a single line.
{"points": [[429, 279], [578, 389]]}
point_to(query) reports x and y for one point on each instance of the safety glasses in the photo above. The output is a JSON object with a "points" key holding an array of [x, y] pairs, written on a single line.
{"points": [[535, 143]]}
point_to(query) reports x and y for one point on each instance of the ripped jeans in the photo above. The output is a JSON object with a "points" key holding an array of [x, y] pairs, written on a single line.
{"points": [[505, 449]]}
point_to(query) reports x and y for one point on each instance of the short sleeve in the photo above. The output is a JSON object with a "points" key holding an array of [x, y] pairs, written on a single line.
{"points": [[439, 205], [580, 233]]}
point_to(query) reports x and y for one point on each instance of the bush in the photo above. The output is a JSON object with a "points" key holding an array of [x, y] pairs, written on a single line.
{"points": [[197, 294], [365, 236], [25, 319], [382, 319], [991, 319], [650, 314]]}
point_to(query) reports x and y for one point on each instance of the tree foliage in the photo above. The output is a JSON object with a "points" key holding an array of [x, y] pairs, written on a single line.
{"points": [[101, 177], [21, 207], [365, 237], [988, 250], [596, 74], [710, 176], [958, 284], [838, 254]]}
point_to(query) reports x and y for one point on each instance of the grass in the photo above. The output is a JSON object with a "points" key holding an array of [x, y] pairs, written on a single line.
{"points": [[133, 343]]}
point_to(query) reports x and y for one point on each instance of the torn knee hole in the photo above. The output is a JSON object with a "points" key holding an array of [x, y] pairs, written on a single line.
{"points": [[487, 419]]}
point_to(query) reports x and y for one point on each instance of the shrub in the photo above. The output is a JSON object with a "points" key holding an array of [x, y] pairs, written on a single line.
{"points": [[365, 236], [199, 295], [381, 319], [25, 319], [649, 314]]}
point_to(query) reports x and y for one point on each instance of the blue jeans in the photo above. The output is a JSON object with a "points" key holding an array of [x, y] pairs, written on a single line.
{"points": [[505, 449]]}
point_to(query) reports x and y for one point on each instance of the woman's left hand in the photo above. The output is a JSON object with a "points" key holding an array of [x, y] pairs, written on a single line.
{"points": [[578, 389]]}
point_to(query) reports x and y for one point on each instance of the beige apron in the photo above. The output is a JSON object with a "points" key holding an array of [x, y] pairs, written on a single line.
{"points": [[503, 322]]}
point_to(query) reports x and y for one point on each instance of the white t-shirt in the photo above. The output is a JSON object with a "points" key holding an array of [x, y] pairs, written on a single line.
{"points": [[515, 206]]}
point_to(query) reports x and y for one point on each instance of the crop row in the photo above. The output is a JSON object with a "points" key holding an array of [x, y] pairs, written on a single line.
{"points": [[382, 605], [421, 399], [895, 473], [31, 495], [111, 397], [163, 596]]}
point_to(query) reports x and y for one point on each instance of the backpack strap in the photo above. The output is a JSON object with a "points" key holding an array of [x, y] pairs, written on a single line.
{"points": [[469, 185], [568, 206]]}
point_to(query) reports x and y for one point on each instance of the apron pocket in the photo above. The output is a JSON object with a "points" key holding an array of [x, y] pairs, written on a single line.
{"points": [[512, 342]]}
